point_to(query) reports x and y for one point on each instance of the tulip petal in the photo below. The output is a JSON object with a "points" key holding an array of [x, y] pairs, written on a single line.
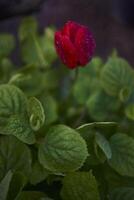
{"points": [[66, 50], [70, 29], [85, 45]]}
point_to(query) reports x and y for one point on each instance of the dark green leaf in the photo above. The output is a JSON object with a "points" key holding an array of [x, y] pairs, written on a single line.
{"points": [[63, 150], [80, 186], [4, 185], [13, 114], [117, 75], [122, 154], [124, 193], [7, 44], [38, 173], [104, 145], [14, 155], [36, 113]]}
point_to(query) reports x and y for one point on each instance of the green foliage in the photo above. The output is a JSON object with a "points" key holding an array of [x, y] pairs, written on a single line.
{"points": [[13, 114], [4, 185], [80, 186], [15, 156], [122, 154], [102, 142], [125, 193], [32, 196], [117, 75], [129, 111], [7, 44], [36, 113], [64, 135], [63, 150], [38, 173]]}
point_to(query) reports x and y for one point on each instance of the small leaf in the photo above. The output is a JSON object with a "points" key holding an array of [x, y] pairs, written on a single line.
{"points": [[99, 125], [14, 155], [46, 42], [124, 94], [88, 132], [122, 154], [24, 78], [4, 185], [124, 193], [13, 114], [7, 44], [80, 186], [31, 195], [6, 67], [16, 185], [63, 150], [28, 26], [38, 173], [104, 145], [99, 106], [50, 108], [115, 180], [129, 111], [117, 75], [36, 113], [87, 82]]}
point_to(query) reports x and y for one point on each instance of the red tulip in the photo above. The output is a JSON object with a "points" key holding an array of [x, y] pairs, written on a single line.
{"points": [[74, 44]]}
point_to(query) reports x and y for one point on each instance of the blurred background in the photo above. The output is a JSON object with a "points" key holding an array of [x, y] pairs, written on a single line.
{"points": [[111, 21]]}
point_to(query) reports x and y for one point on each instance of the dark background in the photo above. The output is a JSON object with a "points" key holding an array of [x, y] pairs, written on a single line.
{"points": [[111, 21]]}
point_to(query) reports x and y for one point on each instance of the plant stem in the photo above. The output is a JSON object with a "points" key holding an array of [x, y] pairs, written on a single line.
{"points": [[76, 73]]}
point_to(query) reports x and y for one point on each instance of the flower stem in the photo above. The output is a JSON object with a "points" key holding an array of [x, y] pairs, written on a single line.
{"points": [[76, 74]]}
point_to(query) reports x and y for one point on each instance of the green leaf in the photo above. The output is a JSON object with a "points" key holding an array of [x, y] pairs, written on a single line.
{"points": [[99, 106], [38, 173], [7, 44], [20, 128], [16, 185], [47, 45], [88, 134], [13, 114], [80, 186], [14, 155], [115, 180], [31, 195], [104, 126], [117, 75], [4, 185], [104, 145], [86, 83], [124, 94], [32, 53], [25, 79], [124, 193], [36, 113], [63, 150], [6, 67], [28, 26], [122, 154], [129, 111], [50, 108]]}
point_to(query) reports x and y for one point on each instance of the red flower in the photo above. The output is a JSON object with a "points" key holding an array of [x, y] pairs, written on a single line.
{"points": [[74, 44]]}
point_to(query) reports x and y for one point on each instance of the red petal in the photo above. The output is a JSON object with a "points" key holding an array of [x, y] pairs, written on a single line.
{"points": [[70, 29], [85, 44], [66, 50]]}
